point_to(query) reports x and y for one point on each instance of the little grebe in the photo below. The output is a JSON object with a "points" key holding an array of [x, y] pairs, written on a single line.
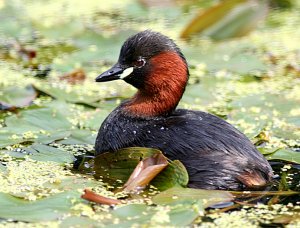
{"points": [[215, 154]]}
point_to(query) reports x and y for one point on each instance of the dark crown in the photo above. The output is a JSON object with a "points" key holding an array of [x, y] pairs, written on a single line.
{"points": [[147, 44]]}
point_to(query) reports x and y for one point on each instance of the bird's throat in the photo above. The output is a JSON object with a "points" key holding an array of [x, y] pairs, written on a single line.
{"points": [[164, 87]]}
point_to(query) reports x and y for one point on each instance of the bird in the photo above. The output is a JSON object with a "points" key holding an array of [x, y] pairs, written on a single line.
{"points": [[215, 154]]}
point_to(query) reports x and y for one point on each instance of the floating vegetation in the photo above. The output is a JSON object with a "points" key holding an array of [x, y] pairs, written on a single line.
{"points": [[51, 109]]}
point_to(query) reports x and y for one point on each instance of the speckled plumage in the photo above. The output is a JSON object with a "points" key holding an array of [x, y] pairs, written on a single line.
{"points": [[215, 154]]}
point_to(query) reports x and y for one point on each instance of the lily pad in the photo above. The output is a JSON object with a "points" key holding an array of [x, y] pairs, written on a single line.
{"points": [[14, 97], [47, 119], [75, 221], [248, 123], [73, 183], [233, 56], [52, 136], [112, 167], [47, 209], [42, 152], [71, 96], [96, 118], [80, 137], [44, 125], [285, 155], [201, 94], [11, 137], [252, 81], [48, 153], [263, 100], [7, 139], [2, 167], [256, 111], [179, 194], [177, 215], [177, 206]]}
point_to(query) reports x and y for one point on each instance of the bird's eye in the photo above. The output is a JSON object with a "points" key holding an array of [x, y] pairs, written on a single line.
{"points": [[139, 63]]}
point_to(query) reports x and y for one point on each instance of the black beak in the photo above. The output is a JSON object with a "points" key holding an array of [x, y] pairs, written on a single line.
{"points": [[111, 74]]}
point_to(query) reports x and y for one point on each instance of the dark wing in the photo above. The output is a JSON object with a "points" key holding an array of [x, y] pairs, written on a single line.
{"points": [[213, 151]]}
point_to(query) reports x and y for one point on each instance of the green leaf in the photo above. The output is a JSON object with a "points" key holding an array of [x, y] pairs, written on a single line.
{"points": [[47, 119], [266, 151], [43, 125], [229, 18], [94, 121], [175, 174], [202, 93], [52, 136], [232, 56], [285, 155], [177, 206], [73, 96], [6, 138], [2, 168], [286, 219], [74, 221], [80, 137], [74, 183], [210, 16], [186, 213], [48, 153], [279, 103], [34, 123], [119, 165], [179, 195], [177, 215], [47, 209], [260, 110], [9, 27], [250, 125], [15, 97], [11, 137], [42, 152], [130, 210]]}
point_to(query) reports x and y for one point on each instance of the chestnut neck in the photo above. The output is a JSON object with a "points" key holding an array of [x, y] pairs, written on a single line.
{"points": [[163, 87]]}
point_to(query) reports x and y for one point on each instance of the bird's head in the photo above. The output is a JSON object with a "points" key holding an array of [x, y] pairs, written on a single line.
{"points": [[147, 57]]}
